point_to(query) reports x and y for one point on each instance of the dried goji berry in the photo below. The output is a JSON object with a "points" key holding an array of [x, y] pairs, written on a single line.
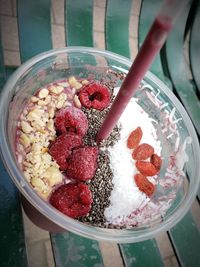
{"points": [[134, 138], [156, 161], [144, 184], [146, 168], [142, 152]]}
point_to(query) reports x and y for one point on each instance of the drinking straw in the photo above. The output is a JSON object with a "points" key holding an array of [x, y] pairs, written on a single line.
{"points": [[151, 46]]}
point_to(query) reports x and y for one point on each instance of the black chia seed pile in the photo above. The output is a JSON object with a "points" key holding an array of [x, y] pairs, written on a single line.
{"points": [[101, 184]]}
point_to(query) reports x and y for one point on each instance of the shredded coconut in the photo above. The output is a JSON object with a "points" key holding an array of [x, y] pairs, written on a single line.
{"points": [[126, 197]]}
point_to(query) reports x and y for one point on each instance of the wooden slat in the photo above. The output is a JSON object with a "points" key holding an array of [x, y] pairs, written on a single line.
{"points": [[12, 242], [142, 254], [176, 66], [34, 27], [185, 237], [117, 26], [148, 12], [195, 47], [75, 251], [79, 22]]}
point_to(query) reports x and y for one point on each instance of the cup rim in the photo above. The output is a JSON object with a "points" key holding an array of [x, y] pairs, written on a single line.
{"points": [[120, 236]]}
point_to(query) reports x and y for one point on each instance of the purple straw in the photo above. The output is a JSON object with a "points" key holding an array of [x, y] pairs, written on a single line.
{"points": [[153, 42]]}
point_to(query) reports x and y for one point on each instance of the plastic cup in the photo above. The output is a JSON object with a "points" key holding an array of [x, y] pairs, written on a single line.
{"points": [[83, 63]]}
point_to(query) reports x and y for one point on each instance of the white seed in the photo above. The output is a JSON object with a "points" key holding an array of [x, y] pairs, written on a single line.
{"points": [[43, 93]]}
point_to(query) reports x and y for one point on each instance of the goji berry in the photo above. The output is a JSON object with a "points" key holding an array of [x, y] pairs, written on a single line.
{"points": [[142, 152], [156, 161], [144, 184], [146, 168], [134, 138]]}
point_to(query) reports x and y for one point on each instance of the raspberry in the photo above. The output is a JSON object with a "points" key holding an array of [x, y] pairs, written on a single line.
{"points": [[95, 95], [144, 184], [146, 168], [60, 148], [156, 161], [134, 138], [74, 200], [71, 119], [142, 152], [83, 163]]}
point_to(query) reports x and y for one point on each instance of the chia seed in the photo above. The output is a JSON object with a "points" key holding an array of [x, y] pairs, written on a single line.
{"points": [[101, 184]]}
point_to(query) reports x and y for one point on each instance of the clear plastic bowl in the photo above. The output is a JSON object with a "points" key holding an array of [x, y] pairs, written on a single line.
{"points": [[83, 62]]}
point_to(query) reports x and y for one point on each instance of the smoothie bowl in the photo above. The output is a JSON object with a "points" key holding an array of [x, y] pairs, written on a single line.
{"points": [[140, 181]]}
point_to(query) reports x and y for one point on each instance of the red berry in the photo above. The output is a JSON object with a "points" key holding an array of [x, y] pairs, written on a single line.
{"points": [[74, 200], [95, 95], [142, 152], [146, 168], [71, 119], [144, 184], [82, 163], [60, 148], [156, 161], [134, 138]]}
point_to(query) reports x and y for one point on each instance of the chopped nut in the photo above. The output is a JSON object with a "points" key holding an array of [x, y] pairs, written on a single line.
{"points": [[77, 101], [64, 84], [47, 99], [34, 99], [61, 99], [35, 114], [74, 83], [39, 184], [45, 194], [43, 93], [51, 113], [26, 127], [36, 147], [44, 149], [85, 82], [50, 125], [56, 89], [24, 140], [37, 125], [46, 158], [27, 176], [53, 176], [41, 103]]}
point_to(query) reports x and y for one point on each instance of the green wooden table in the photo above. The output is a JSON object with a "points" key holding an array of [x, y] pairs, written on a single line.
{"points": [[34, 24]]}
